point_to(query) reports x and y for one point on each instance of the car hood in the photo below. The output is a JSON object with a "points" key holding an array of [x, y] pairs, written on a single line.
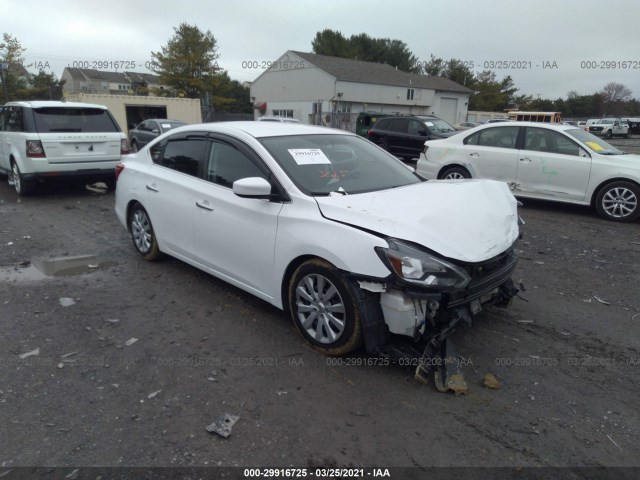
{"points": [[466, 220]]}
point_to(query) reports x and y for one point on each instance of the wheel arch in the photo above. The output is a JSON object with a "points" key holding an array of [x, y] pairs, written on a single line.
{"points": [[444, 168], [606, 182], [130, 205], [288, 273]]}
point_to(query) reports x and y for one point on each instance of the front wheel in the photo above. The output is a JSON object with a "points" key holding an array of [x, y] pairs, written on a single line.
{"points": [[609, 134], [325, 308], [455, 173], [142, 234], [618, 201]]}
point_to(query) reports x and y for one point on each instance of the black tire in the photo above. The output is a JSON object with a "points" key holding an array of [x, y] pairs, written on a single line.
{"points": [[619, 201], [336, 327], [23, 187], [383, 144], [142, 234], [455, 173], [609, 134]]}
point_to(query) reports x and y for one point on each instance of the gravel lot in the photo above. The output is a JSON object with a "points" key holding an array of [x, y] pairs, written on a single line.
{"points": [[145, 355]]}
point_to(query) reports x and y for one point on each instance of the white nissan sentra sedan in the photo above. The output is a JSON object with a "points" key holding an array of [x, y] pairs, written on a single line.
{"points": [[546, 161], [324, 224]]}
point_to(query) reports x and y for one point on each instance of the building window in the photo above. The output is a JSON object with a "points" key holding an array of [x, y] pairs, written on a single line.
{"points": [[283, 113], [343, 107], [410, 94], [105, 86], [83, 85]]}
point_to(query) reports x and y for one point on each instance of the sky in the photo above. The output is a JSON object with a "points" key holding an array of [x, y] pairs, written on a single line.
{"points": [[548, 47]]}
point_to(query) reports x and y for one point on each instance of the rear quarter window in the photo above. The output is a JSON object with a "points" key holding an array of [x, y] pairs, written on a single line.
{"points": [[60, 119]]}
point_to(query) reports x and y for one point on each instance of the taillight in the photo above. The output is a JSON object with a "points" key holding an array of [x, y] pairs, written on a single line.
{"points": [[124, 146], [35, 149], [119, 169]]}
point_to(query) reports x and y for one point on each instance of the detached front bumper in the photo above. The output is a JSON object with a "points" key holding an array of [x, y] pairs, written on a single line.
{"points": [[424, 312]]}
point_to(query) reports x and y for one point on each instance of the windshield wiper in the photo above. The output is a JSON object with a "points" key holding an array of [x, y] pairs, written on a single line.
{"points": [[339, 191]]}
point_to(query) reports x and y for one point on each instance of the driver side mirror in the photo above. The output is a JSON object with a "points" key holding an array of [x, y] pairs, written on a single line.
{"points": [[583, 153]]}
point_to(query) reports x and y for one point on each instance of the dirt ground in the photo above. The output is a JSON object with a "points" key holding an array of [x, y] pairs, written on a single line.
{"points": [[135, 359]]}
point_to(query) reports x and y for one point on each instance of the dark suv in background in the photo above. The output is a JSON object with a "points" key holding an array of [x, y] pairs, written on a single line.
{"points": [[405, 136]]}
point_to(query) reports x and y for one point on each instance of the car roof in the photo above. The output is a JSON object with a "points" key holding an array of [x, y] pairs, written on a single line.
{"points": [[54, 103], [262, 129], [553, 126]]}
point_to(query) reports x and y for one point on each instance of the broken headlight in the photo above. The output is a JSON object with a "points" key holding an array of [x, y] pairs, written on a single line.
{"points": [[419, 267]]}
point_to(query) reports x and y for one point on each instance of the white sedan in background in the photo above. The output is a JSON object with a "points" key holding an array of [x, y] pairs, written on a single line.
{"points": [[324, 224], [544, 161]]}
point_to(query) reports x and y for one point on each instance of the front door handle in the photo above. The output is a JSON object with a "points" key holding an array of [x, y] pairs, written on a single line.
{"points": [[204, 206]]}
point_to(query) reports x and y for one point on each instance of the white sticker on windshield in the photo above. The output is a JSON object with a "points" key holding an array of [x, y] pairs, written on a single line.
{"points": [[166, 125], [309, 156], [429, 124]]}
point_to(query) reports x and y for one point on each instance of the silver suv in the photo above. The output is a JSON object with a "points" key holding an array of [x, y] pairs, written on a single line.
{"points": [[42, 140]]}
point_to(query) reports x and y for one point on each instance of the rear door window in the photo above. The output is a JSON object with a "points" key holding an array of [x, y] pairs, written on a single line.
{"points": [[500, 137], [184, 155], [65, 119]]}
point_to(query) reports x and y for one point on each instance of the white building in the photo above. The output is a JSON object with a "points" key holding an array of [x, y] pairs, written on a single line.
{"points": [[318, 89]]}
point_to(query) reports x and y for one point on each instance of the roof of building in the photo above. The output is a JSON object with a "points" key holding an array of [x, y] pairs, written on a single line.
{"points": [[112, 77], [349, 70]]}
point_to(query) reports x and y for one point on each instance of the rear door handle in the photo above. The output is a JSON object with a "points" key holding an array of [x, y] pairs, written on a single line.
{"points": [[204, 206], [525, 159], [152, 188]]}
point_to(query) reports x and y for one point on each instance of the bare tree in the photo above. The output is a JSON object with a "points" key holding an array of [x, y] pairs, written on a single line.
{"points": [[615, 92]]}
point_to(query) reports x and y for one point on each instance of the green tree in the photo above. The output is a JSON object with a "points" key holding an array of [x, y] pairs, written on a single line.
{"points": [[187, 63], [492, 95], [331, 43], [12, 78], [43, 86], [363, 47], [459, 72], [435, 67]]}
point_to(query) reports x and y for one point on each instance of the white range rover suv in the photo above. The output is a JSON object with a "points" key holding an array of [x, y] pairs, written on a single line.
{"points": [[42, 140]]}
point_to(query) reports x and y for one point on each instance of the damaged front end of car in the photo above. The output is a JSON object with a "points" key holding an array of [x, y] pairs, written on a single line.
{"points": [[426, 299]]}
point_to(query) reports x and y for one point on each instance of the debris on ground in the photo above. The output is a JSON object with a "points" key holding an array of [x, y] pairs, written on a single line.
{"points": [[490, 381], [66, 301], [131, 341], [598, 299], [153, 394], [112, 320], [223, 425], [30, 354]]}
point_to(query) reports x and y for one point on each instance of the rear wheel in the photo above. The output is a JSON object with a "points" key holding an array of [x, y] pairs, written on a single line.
{"points": [[619, 201], [23, 187], [142, 234], [325, 307], [455, 173]]}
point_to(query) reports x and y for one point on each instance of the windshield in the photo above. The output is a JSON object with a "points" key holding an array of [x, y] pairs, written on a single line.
{"points": [[437, 124], [605, 122], [594, 143], [321, 164]]}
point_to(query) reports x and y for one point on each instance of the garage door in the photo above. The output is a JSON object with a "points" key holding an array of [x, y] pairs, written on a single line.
{"points": [[449, 110]]}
